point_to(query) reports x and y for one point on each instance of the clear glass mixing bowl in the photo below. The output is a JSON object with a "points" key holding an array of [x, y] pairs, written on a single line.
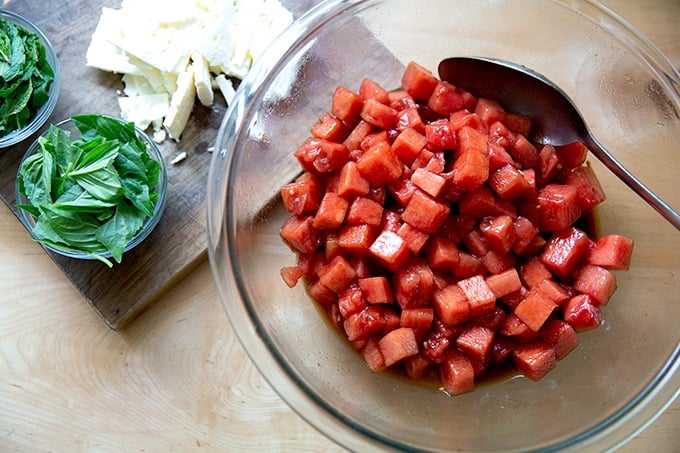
{"points": [[620, 377]]}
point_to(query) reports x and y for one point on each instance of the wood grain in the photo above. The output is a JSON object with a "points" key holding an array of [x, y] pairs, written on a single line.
{"points": [[176, 379], [178, 243]]}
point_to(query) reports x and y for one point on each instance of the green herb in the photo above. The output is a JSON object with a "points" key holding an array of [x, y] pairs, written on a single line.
{"points": [[25, 77], [92, 194]]}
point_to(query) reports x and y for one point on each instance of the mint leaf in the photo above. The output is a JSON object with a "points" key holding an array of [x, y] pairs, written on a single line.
{"points": [[25, 77]]}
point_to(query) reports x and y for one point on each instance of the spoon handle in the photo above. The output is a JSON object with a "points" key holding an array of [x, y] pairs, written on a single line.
{"points": [[633, 182]]}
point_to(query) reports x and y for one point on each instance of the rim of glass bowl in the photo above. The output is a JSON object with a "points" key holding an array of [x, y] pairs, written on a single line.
{"points": [[47, 108], [616, 430], [149, 224]]}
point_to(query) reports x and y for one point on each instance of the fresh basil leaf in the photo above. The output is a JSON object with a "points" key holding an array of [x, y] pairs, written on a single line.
{"points": [[91, 126], [120, 229], [103, 183], [74, 230], [35, 176], [138, 194], [78, 200]]}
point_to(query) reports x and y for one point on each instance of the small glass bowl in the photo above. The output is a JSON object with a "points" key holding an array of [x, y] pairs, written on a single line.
{"points": [[41, 116], [150, 223]]}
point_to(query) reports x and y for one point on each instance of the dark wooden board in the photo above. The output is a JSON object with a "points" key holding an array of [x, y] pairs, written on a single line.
{"points": [[179, 241]]}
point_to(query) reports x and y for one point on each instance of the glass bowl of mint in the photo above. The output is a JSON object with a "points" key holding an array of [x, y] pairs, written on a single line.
{"points": [[91, 187], [29, 78]]}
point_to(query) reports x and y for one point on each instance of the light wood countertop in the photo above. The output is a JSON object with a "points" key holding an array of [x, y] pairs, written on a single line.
{"points": [[176, 379]]}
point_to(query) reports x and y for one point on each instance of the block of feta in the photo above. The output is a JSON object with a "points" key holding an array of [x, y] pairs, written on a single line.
{"points": [[144, 109], [155, 43]]}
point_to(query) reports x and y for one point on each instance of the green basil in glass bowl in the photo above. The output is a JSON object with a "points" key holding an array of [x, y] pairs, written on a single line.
{"points": [[91, 187]]}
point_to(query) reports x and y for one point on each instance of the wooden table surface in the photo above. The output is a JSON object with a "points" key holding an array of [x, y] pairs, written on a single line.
{"points": [[176, 379]]}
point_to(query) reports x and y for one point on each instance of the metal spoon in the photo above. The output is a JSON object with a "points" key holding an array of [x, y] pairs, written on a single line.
{"points": [[556, 120]]}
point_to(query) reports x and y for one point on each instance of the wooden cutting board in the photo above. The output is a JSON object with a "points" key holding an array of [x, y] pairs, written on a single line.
{"points": [[179, 241]]}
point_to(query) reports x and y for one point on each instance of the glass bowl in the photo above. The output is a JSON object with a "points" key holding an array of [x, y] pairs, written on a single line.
{"points": [[149, 224], [620, 377], [40, 117]]}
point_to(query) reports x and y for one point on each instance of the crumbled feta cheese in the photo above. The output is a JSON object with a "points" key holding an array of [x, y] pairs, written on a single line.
{"points": [[152, 42], [179, 158], [144, 109]]}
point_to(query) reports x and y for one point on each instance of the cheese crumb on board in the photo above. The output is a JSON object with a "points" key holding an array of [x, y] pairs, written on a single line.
{"points": [[171, 52]]}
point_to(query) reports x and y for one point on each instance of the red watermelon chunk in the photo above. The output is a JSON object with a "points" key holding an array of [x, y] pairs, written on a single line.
{"points": [[560, 335], [476, 342], [331, 212], [373, 355], [299, 233], [365, 211], [346, 104], [535, 359], [595, 281], [379, 165], [425, 213], [457, 373], [558, 207], [504, 283], [612, 251], [302, 195], [408, 145], [582, 313], [370, 89], [535, 309], [379, 115], [588, 188], [418, 318], [565, 250], [351, 183], [330, 128], [376, 290], [390, 249], [451, 305], [413, 284], [418, 81], [398, 345], [337, 274], [482, 299]]}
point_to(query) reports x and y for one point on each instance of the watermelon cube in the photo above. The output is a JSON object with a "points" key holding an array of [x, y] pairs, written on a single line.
{"points": [[534, 359], [373, 355], [457, 373], [451, 305], [482, 299], [398, 345], [300, 235], [560, 335], [582, 312], [413, 284], [565, 250], [418, 81], [558, 207], [611, 252], [376, 290], [595, 281], [535, 309], [476, 342]]}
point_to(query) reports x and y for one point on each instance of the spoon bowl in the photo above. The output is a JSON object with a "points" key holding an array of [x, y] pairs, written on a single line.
{"points": [[555, 118]]}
